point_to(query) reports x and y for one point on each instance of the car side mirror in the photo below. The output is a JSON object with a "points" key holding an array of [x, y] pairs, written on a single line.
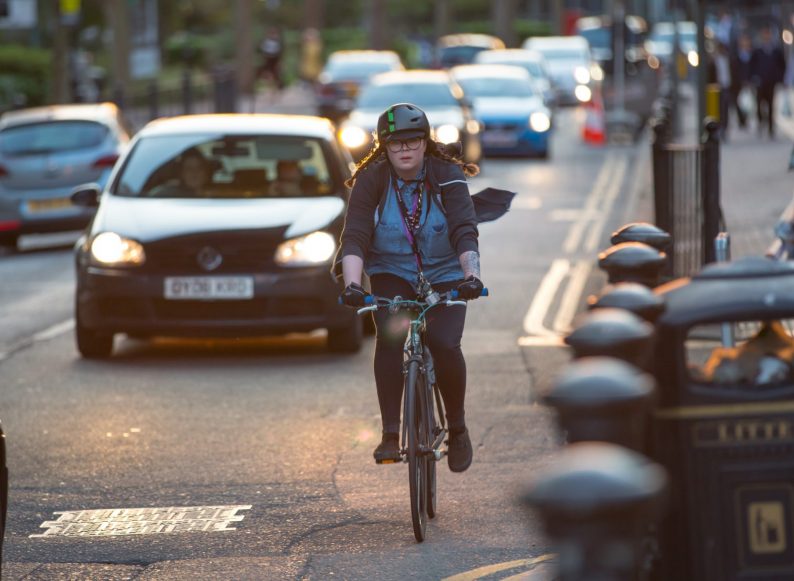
{"points": [[86, 195]]}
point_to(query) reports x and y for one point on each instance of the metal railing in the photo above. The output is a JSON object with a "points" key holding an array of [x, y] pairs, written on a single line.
{"points": [[190, 96], [687, 196]]}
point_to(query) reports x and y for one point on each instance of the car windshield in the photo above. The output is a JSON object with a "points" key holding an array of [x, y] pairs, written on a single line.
{"points": [[225, 166], [51, 137], [564, 54], [357, 68], [534, 68], [424, 95], [496, 87], [457, 55], [598, 37]]}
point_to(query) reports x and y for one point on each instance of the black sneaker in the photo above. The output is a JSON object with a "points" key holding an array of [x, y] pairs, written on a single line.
{"points": [[459, 452], [388, 451]]}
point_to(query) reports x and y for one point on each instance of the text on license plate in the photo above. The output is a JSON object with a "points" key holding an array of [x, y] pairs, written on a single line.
{"points": [[45, 205], [499, 138], [209, 287]]}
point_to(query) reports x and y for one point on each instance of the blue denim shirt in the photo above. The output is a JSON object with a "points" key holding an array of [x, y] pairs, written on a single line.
{"points": [[390, 251]]}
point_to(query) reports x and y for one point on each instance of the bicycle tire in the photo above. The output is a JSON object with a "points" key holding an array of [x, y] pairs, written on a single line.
{"points": [[430, 431], [417, 463]]}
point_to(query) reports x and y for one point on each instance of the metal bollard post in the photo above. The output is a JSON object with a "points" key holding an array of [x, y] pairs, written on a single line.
{"points": [[613, 333], [644, 232], [633, 262], [631, 296], [597, 504], [603, 399]]}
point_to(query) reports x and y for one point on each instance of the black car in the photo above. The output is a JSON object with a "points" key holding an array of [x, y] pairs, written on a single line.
{"points": [[217, 225]]}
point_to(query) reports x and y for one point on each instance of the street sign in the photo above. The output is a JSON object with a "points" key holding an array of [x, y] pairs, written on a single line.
{"points": [[70, 12]]}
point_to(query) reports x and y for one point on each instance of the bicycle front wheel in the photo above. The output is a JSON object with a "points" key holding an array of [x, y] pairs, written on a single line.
{"points": [[417, 463]]}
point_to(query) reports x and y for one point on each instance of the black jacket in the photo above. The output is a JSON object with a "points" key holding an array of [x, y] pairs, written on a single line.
{"points": [[767, 67], [447, 186]]}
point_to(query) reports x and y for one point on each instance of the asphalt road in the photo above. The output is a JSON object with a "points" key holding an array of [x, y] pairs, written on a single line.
{"points": [[282, 432]]}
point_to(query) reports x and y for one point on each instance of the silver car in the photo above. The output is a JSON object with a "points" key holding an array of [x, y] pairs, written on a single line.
{"points": [[44, 153]]}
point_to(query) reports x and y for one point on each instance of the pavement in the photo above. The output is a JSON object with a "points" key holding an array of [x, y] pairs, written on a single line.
{"points": [[755, 182]]}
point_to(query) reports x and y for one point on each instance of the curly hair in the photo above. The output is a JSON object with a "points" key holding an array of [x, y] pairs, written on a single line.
{"points": [[434, 148]]}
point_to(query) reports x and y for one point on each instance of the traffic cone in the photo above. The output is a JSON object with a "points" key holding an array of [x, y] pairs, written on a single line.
{"points": [[594, 131]]}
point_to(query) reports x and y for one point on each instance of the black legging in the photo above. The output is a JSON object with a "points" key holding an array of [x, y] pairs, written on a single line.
{"points": [[444, 331]]}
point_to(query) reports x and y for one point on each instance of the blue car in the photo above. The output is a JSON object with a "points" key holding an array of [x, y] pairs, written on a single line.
{"points": [[511, 111]]}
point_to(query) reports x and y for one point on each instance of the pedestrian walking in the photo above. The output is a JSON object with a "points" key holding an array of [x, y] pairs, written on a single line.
{"points": [[271, 49], [740, 77], [720, 74], [767, 68]]}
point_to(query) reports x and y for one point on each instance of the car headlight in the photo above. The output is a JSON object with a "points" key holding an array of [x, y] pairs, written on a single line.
{"points": [[314, 248], [597, 73], [583, 93], [693, 57], [582, 75], [111, 249], [539, 122], [447, 134], [353, 137]]}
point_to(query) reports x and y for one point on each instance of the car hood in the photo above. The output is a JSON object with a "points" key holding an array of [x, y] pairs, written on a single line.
{"points": [[506, 107], [147, 220], [368, 119]]}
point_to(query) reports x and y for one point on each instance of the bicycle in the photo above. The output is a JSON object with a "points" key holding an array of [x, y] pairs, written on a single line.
{"points": [[424, 426]]}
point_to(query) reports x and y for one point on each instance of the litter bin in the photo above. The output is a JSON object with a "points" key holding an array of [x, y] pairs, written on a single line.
{"points": [[724, 425]]}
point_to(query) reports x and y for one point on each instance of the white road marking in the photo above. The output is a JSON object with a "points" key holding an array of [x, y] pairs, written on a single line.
{"points": [[573, 295], [533, 321], [54, 331], [551, 341], [594, 235], [576, 232], [142, 521]]}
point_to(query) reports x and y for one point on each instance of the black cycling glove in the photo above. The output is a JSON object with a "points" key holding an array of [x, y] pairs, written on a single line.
{"points": [[470, 289], [354, 295]]}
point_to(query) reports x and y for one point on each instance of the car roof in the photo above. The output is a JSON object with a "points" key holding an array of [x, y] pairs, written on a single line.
{"points": [[509, 54], [470, 39], [242, 124], [486, 70], [364, 55], [100, 112], [555, 41], [411, 76]]}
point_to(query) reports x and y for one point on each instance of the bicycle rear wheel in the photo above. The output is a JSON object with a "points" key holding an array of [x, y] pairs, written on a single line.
{"points": [[417, 463]]}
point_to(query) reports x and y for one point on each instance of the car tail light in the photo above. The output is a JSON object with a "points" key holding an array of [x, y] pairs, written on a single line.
{"points": [[106, 161], [10, 225], [3, 172]]}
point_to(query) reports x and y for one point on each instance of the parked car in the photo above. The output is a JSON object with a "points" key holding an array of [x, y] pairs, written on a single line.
{"points": [[598, 30], [458, 49], [345, 72], [662, 37], [47, 151], [530, 60], [510, 110], [435, 92], [217, 225], [569, 63]]}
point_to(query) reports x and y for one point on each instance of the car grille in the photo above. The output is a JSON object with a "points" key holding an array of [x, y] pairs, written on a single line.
{"points": [[502, 126], [240, 252]]}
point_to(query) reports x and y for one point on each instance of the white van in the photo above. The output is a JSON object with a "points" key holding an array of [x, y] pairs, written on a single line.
{"points": [[568, 61]]}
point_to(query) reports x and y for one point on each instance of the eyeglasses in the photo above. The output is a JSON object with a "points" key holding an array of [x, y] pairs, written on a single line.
{"points": [[397, 145]]}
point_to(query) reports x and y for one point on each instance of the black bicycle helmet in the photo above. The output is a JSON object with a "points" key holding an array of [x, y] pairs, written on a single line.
{"points": [[402, 121]]}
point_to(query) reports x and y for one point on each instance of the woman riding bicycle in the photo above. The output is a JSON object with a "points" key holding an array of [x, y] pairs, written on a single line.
{"points": [[411, 226]]}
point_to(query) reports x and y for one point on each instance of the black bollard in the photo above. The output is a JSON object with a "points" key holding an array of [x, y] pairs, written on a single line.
{"points": [[644, 232], [597, 504], [631, 296], [603, 399], [613, 333], [633, 262]]}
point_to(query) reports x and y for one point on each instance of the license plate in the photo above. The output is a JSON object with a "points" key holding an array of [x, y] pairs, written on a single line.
{"points": [[46, 205], [209, 287], [499, 138]]}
